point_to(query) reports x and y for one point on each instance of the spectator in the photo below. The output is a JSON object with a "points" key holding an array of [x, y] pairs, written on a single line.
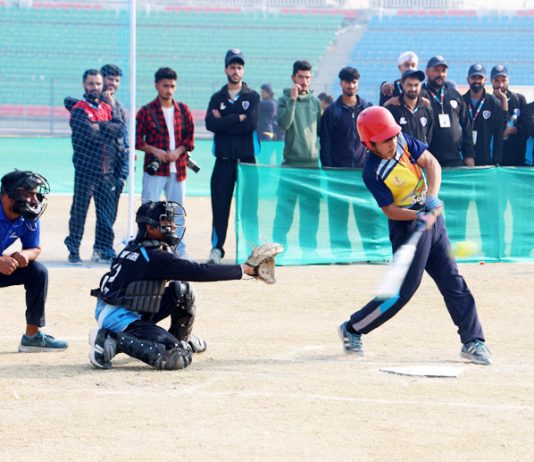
{"points": [[513, 154], [513, 105], [232, 116], [414, 116], [267, 114], [486, 116], [407, 60], [326, 100], [119, 147], [487, 119], [95, 125], [299, 114], [23, 201], [452, 137], [341, 148], [165, 133]]}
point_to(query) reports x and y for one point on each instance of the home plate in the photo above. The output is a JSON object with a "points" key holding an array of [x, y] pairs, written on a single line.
{"points": [[425, 371]]}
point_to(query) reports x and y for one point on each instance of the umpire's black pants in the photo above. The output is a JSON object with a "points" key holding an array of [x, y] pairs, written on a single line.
{"points": [[433, 255], [35, 280]]}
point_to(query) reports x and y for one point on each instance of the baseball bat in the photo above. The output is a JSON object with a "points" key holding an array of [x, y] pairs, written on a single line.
{"points": [[396, 273]]}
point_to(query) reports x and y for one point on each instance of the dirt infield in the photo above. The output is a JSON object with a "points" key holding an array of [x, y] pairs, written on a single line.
{"points": [[274, 384]]}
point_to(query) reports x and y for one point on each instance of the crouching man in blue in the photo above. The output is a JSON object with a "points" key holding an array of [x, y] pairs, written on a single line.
{"points": [[146, 284], [23, 198]]}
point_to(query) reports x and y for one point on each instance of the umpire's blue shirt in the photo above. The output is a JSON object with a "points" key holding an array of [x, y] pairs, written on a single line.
{"points": [[29, 232]]}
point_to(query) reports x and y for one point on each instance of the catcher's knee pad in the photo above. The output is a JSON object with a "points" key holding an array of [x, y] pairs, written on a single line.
{"points": [[184, 296], [178, 357]]}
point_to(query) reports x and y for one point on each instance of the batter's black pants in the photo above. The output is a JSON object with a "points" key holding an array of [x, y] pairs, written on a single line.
{"points": [[223, 180], [433, 255], [35, 280]]}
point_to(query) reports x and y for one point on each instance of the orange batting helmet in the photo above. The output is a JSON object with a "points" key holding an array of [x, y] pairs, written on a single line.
{"points": [[376, 124]]}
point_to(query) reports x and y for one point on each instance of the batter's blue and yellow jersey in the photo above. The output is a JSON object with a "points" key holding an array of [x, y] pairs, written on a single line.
{"points": [[399, 180]]}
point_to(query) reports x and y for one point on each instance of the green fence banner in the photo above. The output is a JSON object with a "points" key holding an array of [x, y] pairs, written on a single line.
{"points": [[328, 216]]}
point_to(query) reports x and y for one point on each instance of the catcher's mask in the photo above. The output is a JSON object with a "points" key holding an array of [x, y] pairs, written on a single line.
{"points": [[169, 217], [28, 190]]}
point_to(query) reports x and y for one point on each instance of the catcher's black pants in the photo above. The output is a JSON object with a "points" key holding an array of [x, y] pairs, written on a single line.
{"points": [[147, 328], [35, 280], [433, 255], [223, 180], [103, 188]]}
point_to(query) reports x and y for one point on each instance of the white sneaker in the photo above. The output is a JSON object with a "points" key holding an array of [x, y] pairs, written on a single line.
{"points": [[215, 256]]}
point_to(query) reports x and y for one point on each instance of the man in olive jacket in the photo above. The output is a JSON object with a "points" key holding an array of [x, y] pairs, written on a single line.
{"points": [[299, 114]]}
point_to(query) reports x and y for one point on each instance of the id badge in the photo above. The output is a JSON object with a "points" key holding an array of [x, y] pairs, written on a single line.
{"points": [[444, 121], [475, 133]]}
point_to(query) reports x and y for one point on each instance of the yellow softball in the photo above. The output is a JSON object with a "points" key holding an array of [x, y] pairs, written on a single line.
{"points": [[465, 249]]}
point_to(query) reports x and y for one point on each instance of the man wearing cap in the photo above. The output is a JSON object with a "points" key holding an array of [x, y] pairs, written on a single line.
{"points": [[487, 119], [513, 105], [232, 116], [452, 138], [486, 116], [414, 116], [407, 60], [22, 202]]}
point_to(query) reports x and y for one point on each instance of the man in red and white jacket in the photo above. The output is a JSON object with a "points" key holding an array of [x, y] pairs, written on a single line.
{"points": [[94, 128]]}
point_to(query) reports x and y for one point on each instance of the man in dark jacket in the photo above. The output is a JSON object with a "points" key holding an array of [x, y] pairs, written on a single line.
{"points": [[414, 116], [487, 119], [232, 116], [341, 148], [95, 125]]}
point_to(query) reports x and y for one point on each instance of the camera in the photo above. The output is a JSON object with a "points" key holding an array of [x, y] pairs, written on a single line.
{"points": [[153, 167], [192, 164]]}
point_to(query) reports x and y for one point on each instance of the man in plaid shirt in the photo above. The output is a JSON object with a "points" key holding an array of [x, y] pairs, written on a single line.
{"points": [[164, 133]]}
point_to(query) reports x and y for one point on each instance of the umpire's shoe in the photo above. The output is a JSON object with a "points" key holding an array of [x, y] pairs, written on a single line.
{"points": [[103, 348], [352, 342], [477, 352], [41, 342]]}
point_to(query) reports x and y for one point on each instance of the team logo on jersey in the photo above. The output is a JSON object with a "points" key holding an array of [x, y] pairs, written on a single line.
{"points": [[486, 114], [403, 121], [398, 181], [423, 121], [245, 105], [454, 103], [222, 107], [517, 111]]}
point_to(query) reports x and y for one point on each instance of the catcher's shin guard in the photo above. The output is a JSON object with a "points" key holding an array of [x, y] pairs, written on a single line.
{"points": [[153, 353], [183, 317]]}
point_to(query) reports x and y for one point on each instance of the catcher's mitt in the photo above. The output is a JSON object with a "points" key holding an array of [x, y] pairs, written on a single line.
{"points": [[262, 260]]}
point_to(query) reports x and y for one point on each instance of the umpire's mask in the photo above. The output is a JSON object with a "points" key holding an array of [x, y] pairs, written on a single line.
{"points": [[169, 217], [28, 190]]}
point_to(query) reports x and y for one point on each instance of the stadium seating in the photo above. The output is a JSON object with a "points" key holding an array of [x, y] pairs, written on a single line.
{"points": [[462, 37], [44, 51]]}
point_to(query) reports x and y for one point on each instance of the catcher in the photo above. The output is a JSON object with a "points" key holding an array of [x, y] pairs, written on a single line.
{"points": [[147, 283]]}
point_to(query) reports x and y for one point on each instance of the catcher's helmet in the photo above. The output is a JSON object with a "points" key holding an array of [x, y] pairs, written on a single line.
{"points": [[168, 216], [376, 124], [28, 190]]}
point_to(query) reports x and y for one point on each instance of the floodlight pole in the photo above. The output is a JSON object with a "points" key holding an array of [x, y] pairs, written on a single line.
{"points": [[131, 126]]}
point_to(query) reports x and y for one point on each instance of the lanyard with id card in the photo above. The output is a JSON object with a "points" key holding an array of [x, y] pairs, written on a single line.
{"points": [[444, 121]]}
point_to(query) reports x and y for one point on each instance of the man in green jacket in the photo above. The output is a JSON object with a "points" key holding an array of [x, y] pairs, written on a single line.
{"points": [[299, 114]]}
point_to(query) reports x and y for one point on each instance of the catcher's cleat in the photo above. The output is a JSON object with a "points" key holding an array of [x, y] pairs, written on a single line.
{"points": [[197, 344], [477, 352], [352, 343], [103, 348]]}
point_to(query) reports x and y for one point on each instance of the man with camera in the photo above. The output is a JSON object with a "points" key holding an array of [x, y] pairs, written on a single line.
{"points": [[164, 133]]}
